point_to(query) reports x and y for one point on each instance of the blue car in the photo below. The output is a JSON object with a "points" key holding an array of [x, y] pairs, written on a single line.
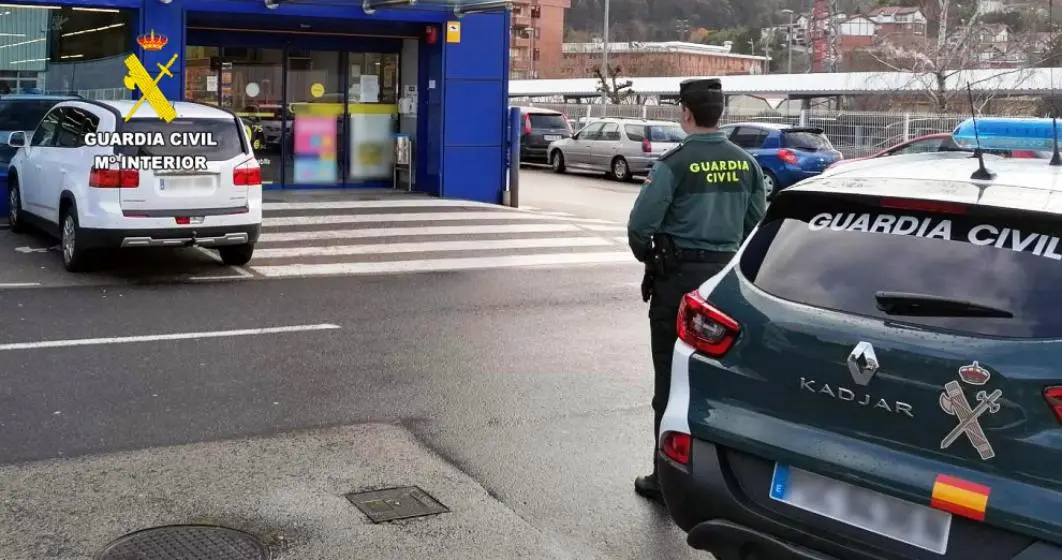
{"points": [[788, 154]]}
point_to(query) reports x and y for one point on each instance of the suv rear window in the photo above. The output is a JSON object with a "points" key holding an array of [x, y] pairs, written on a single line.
{"points": [[549, 121], [837, 253], [672, 134], [806, 140], [225, 133]]}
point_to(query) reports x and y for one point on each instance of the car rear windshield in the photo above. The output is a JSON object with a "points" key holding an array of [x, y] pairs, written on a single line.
{"points": [[838, 253], [23, 114], [666, 134], [224, 132], [806, 140], [553, 122]]}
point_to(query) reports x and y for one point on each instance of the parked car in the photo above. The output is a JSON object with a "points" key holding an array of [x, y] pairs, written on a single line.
{"points": [[540, 128], [941, 142], [874, 375], [619, 147], [80, 192], [22, 112], [788, 154]]}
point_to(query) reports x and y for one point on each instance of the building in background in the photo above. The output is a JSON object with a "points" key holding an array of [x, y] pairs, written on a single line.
{"points": [[644, 59], [536, 38]]}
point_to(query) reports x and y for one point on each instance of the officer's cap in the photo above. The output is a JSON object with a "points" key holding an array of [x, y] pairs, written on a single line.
{"points": [[701, 90]]}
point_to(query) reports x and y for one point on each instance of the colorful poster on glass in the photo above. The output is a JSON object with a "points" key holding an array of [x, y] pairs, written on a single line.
{"points": [[315, 149]]}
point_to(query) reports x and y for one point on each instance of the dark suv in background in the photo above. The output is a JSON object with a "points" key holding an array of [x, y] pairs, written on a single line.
{"points": [[540, 127], [22, 112]]}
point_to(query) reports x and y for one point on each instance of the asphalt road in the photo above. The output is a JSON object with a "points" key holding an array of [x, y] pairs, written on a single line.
{"points": [[532, 383], [582, 194]]}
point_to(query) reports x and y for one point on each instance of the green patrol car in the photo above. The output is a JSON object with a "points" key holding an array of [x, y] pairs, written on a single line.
{"points": [[877, 374]]}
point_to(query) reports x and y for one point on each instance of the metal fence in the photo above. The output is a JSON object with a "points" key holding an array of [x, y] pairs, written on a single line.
{"points": [[854, 133]]}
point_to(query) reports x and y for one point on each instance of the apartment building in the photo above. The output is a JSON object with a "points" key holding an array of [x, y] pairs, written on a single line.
{"points": [[536, 38], [652, 59]]}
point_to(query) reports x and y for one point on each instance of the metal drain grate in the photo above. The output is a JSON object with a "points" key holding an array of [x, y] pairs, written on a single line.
{"points": [[186, 542], [391, 504]]}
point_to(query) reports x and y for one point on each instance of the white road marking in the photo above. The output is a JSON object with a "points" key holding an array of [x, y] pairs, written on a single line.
{"points": [[622, 239], [159, 337], [243, 272], [435, 265], [412, 231], [417, 217], [532, 208], [610, 227], [216, 278], [430, 247], [5, 285], [213, 255], [354, 204]]}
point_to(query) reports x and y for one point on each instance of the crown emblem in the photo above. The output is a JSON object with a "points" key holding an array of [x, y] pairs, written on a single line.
{"points": [[974, 374], [152, 42]]}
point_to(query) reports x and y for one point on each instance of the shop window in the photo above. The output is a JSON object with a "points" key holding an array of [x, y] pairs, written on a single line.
{"points": [[67, 49], [373, 78]]}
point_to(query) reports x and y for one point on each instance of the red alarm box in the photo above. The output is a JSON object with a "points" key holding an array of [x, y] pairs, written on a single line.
{"points": [[431, 34]]}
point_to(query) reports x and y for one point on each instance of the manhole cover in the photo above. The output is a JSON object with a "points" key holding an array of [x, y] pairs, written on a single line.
{"points": [[186, 542], [390, 504]]}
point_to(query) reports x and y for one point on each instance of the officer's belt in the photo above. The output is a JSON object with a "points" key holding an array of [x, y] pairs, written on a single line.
{"points": [[703, 256]]}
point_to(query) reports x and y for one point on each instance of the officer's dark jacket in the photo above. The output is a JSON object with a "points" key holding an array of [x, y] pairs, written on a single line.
{"points": [[707, 193]]}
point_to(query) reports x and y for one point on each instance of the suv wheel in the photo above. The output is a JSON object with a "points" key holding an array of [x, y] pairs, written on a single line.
{"points": [[75, 259], [236, 255], [556, 161], [14, 207], [620, 170]]}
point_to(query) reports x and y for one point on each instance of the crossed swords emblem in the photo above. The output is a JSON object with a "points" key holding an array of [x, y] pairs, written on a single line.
{"points": [[954, 402]]}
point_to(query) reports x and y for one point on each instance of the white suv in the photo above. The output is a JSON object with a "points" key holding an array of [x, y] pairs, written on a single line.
{"points": [[103, 196]]}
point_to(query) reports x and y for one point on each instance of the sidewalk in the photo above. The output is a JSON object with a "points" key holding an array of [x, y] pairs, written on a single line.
{"points": [[288, 490]]}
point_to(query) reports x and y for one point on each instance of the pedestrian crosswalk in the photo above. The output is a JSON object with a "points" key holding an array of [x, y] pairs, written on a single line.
{"points": [[357, 237]]}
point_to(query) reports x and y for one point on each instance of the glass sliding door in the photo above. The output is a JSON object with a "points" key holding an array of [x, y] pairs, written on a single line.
{"points": [[373, 116], [315, 95]]}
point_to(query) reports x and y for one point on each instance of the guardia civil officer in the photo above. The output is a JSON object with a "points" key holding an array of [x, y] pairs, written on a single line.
{"points": [[706, 196]]}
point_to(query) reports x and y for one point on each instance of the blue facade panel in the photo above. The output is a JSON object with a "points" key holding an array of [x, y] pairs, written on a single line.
{"points": [[474, 109]]}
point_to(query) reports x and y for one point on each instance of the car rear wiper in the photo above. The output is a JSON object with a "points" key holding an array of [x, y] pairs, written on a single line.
{"points": [[925, 305]]}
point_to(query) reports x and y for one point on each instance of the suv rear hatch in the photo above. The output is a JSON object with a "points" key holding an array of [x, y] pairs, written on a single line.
{"points": [[811, 146], [887, 340], [214, 188], [540, 129]]}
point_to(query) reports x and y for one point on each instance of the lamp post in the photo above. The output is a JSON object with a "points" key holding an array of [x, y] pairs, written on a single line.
{"points": [[605, 74], [789, 41]]}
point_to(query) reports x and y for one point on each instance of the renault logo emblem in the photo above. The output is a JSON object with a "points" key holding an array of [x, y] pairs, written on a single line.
{"points": [[863, 363]]}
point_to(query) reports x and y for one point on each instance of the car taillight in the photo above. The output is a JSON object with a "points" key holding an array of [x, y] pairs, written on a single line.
{"points": [[568, 125], [705, 328], [1053, 395], [923, 205], [114, 178], [788, 156], [527, 124], [1024, 154], [647, 146], [247, 175], [676, 446]]}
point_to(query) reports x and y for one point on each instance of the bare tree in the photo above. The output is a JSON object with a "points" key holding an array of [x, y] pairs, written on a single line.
{"points": [[611, 87], [949, 50]]}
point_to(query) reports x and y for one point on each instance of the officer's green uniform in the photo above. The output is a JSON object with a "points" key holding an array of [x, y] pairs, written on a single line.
{"points": [[708, 195]]}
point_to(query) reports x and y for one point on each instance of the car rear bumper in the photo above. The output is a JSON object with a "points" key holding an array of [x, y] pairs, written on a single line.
{"points": [[711, 501], [172, 237], [533, 152]]}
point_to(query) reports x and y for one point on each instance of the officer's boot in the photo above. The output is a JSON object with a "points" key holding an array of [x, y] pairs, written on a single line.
{"points": [[648, 486]]}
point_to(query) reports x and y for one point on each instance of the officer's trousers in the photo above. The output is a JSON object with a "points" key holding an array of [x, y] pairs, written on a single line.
{"points": [[663, 314]]}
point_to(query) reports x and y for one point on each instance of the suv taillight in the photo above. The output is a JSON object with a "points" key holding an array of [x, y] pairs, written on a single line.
{"points": [[247, 175], [705, 328], [647, 146], [527, 124], [788, 156], [1053, 395], [676, 446], [114, 178]]}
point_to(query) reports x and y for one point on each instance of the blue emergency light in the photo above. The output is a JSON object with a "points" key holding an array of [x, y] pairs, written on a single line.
{"points": [[1002, 133]]}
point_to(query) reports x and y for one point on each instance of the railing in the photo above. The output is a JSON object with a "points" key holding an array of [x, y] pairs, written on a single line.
{"points": [[854, 133]]}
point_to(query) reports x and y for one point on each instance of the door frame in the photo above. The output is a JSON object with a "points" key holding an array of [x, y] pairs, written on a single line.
{"points": [[330, 42]]}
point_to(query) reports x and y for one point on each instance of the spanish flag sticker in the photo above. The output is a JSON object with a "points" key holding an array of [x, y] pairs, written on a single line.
{"points": [[960, 497]]}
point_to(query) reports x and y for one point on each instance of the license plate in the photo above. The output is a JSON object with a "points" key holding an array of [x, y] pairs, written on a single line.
{"points": [[551, 137], [184, 183], [890, 517]]}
